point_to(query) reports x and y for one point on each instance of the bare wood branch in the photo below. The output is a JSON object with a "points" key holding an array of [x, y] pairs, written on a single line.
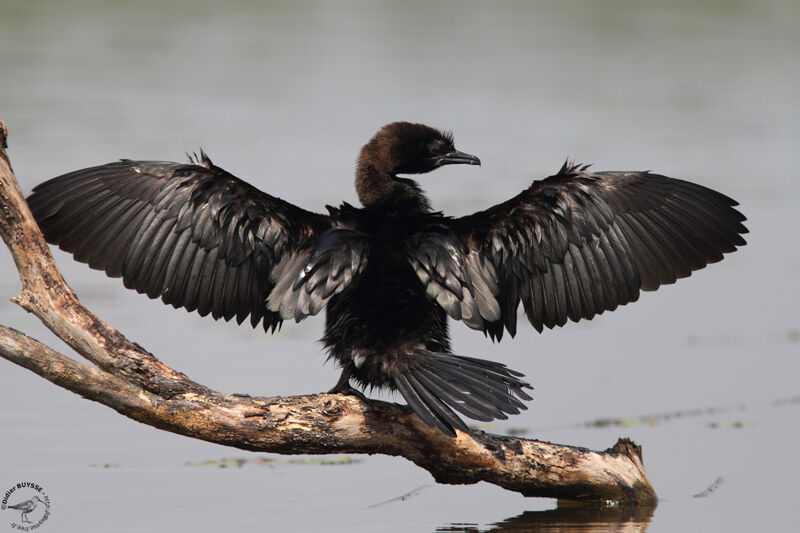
{"points": [[136, 384]]}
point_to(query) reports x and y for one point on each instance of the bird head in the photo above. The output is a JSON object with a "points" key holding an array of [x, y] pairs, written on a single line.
{"points": [[408, 148]]}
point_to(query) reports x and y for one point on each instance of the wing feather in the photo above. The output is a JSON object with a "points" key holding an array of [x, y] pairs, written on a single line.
{"points": [[192, 234], [573, 246], [305, 282]]}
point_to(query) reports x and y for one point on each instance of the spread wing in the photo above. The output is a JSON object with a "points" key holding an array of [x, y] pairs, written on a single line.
{"points": [[193, 234], [572, 246]]}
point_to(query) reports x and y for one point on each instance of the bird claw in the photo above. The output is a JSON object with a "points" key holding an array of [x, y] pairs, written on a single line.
{"points": [[348, 390]]}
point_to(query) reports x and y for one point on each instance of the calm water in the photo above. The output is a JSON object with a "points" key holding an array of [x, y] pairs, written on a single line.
{"points": [[702, 374]]}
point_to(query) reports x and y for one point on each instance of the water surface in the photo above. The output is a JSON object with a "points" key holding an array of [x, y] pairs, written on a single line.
{"points": [[702, 374]]}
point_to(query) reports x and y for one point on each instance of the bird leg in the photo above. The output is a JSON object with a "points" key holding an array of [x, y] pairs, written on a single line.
{"points": [[343, 386]]}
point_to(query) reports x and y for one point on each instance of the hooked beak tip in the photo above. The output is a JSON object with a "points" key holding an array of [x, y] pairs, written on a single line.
{"points": [[458, 158]]}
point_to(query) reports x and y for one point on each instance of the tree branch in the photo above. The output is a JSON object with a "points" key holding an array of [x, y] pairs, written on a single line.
{"points": [[135, 383]]}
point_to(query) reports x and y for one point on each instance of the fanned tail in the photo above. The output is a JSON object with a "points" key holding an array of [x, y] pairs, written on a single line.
{"points": [[479, 389]]}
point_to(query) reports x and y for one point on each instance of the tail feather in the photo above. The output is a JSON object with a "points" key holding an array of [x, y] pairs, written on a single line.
{"points": [[432, 411], [499, 383], [470, 406], [481, 390], [490, 386], [448, 417], [484, 363]]}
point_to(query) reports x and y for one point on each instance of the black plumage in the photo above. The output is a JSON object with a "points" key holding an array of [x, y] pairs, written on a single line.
{"points": [[568, 248]]}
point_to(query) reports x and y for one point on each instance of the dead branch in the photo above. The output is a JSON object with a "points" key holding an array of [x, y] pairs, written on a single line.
{"points": [[135, 383]]}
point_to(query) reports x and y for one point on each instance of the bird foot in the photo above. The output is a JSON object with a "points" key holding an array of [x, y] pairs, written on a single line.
{"points": [[347, 390]]}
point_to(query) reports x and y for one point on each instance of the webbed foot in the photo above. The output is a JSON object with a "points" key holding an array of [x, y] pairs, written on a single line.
{"points": [[343, 387]]}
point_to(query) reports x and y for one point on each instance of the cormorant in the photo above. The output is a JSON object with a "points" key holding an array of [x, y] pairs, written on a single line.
{"points": [[390, 273]]}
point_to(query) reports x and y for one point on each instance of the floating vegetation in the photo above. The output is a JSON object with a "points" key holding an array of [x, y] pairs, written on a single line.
{"points": [[488, 427], [784, 336], [344, 460], [239, 462], [736, 424], [652, 420], [660, 418], [782, 402]]}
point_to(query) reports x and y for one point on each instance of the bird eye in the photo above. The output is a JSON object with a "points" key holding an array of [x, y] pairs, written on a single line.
{"points": [[437, 147]]}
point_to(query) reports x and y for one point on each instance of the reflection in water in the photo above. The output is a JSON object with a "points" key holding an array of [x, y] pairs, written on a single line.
{"points": [[568, 517]]}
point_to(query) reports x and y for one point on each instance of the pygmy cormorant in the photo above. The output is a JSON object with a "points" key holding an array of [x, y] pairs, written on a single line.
{"points": [[568, 247]]}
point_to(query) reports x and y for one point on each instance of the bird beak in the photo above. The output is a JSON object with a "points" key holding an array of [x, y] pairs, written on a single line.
{"points": [[456, 158]]}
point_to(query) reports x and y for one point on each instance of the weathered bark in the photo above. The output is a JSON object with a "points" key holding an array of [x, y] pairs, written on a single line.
{"points": [[135, 383]]}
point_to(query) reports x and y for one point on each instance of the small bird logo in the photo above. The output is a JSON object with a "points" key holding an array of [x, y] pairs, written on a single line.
{"points": [[26, 508]]}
